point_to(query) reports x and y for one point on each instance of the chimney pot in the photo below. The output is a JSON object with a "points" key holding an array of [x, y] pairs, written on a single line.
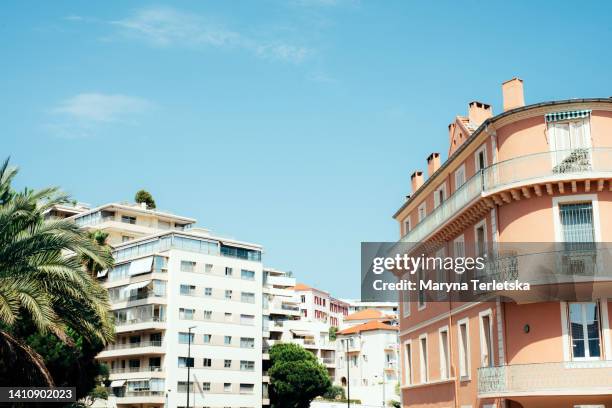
{"points": [[433, 163], [417, 180], [478, 112], [513, 94]]}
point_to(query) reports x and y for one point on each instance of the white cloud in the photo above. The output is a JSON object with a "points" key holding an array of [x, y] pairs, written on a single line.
{"points": [[165, 27], [85, 114], [98, 107]]}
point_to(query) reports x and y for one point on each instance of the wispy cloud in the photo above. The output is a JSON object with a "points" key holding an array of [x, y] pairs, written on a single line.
{"points": [[166, 27], [83, 114]]}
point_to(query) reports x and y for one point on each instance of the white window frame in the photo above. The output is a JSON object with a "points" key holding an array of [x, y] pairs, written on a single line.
{"points": [[441, 274], [445, 360], [552, 142], [466, 353], [460, 169], [406, 300], [483, 346], [482, 149], [459, 239], [441, 188], [408, 370], [422, 209], [420, 276], [423, 359], [604, 327], [481, 223], [407, 225], [571, 199]]}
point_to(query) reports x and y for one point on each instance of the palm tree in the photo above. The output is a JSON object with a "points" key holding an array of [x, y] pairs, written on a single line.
{"points": [[43, 278]]}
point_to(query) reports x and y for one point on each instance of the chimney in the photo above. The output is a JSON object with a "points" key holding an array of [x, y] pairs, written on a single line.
{"points": [[417, 180], [433, 163], [478, 112], [513, 96]]}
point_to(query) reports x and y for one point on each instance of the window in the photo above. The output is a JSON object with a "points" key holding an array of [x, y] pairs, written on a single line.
{"points": [[458, 252], [207, 362], [584, 330], [564, 140], [439, 195], [227, 387], [186, 314], [228, 317], [227, 363], [247, 297], [421, 293], [228, 294], [441, 275], [247, 319], [407, 226], [246, 365], [480, 236], [424, 359], [206, 338], [188, 290], [247, 275], [128, 220], [422, 211], [207, 314], [486, 340], [206, 386], [185, 362], [125, 238], [444, 354], [464, 349], [208, 268], [406, 300], [459, 177], [207, 291], [187, 266], [577, 222], [247, 388], [227, 340], [182, 386], [247, 342], [228, 271], [480, 158], [185, 338]]}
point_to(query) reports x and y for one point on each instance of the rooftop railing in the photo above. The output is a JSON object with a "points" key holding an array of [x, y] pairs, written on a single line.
{"points": [[553, 165]]}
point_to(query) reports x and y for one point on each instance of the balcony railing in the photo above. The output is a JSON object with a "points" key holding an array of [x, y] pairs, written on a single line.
{"points": [[553, 166], [139, 320], [149, 369], [134, 345], [560, 378]]}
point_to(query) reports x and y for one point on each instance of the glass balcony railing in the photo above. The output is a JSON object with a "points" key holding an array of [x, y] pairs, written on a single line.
{"points": [[550, 166], [557, 378], [134, 345]]}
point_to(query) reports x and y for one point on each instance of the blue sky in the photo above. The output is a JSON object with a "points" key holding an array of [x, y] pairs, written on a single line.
{"points": [[295, 124]]}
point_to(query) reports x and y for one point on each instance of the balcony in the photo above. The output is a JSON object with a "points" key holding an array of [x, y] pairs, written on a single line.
{"points": [[507, 180], [280, 281], [141, 397], [131, 373], [155, 322], [130, 349], [560, 378]]}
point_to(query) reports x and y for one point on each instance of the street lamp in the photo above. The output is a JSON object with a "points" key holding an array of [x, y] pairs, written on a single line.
{"points": [[348, 375], [188, 360]]}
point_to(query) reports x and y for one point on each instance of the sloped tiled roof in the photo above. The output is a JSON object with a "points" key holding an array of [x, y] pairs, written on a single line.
{"points": [[367, 314], [375, 325]]}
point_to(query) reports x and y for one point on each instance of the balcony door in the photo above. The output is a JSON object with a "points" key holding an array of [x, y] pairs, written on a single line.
{"points": [[585, 330], [569, 142]]}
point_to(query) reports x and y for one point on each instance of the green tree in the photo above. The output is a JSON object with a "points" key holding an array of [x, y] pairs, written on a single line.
{"points": [[43, 284], [332, 333], [143, 196], [296, 377]]}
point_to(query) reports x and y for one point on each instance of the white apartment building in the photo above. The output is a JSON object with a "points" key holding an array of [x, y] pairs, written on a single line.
{"points": [[367, 353], [170, 277]]}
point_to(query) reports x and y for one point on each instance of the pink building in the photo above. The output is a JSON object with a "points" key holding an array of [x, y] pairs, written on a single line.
{"points": [[535, 173]]}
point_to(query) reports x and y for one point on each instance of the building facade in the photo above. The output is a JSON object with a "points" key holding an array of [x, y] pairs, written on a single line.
{"points": [[181, 298], [540, 173]]}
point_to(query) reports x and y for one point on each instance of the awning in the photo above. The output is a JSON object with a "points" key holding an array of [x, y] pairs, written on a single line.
{"points": [[139, 266], [557, 116], [302, 333], [117, 383], [137, 285], [102, 273]]}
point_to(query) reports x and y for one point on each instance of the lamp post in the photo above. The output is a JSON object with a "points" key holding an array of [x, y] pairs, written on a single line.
{"points": [[188, 361], [348, 375]]}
